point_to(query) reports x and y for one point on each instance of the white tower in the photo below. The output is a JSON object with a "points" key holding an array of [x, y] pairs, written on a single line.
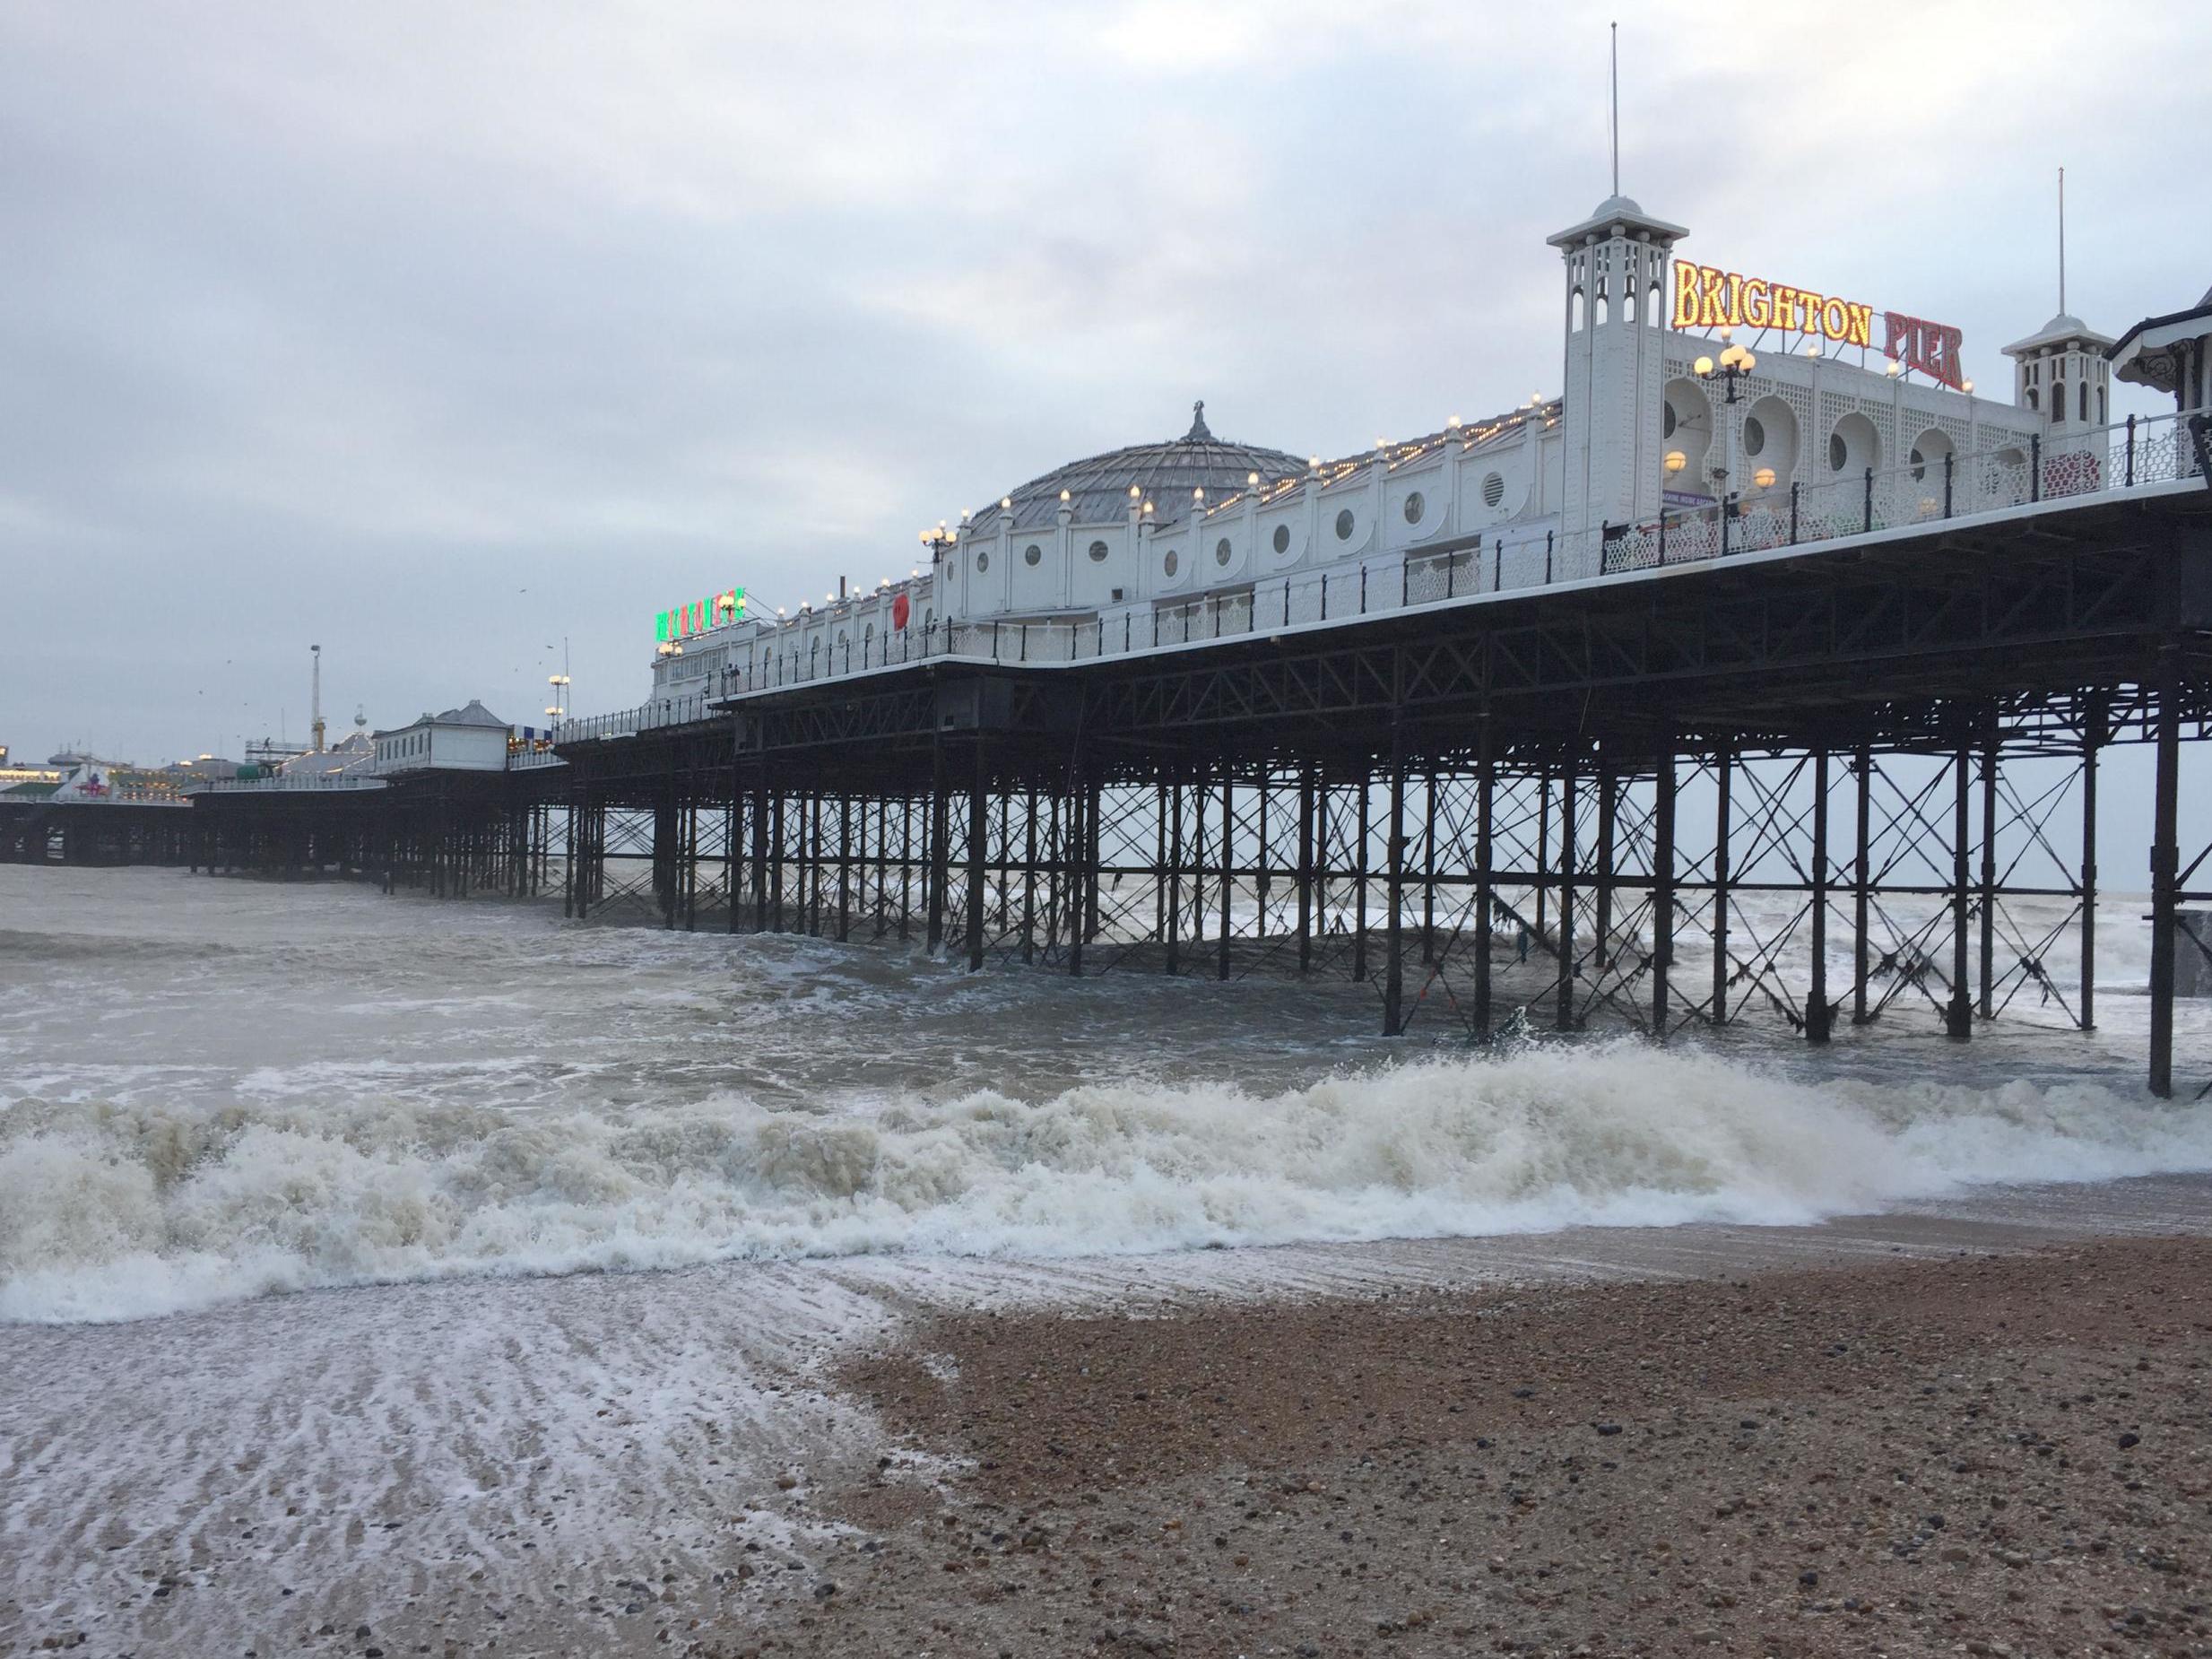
{"points": [[2061, 374], [1618, 271]]}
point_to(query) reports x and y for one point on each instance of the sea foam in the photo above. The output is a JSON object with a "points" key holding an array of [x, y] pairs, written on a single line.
{"points": [[115, 1212]]}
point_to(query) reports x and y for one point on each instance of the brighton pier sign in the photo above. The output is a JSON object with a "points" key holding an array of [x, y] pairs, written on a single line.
{"points": [[1706, 297]]}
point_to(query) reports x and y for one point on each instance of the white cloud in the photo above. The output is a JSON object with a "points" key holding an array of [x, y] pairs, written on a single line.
{"points": [[611, 302]]}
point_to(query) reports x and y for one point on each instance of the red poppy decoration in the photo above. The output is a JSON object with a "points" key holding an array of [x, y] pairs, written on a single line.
{"points": [[900, 610]]}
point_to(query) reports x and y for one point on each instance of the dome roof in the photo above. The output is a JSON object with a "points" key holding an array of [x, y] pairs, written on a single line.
{"points": [[2065, 326], [1165, 473]]}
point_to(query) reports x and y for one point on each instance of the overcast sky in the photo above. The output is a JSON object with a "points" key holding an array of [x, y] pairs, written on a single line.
{"points": [[439, 333]]}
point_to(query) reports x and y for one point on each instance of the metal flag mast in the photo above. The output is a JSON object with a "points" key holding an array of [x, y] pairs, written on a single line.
{"points": [[1614, 125]]}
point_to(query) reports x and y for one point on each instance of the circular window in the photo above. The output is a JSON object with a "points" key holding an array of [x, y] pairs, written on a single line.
{"points": [[1415, 506], [1493, 488], [1032, 553], [1344, 523], [983, 563], [1222, 551], [1839, 452], [1169, 564], [1282, 538], [1097, 553], [1666, 422], [1754, 435]]}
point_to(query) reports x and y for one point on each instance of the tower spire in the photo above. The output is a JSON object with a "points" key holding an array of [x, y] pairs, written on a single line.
{"points": [[1615, 124]]}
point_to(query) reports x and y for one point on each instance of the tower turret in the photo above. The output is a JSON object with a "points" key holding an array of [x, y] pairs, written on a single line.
{"points": [[1618, 267], [2060, 373]]}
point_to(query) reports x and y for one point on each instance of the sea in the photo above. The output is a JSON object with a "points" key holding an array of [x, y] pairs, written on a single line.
{"points": [[212, 1090], [352, 1244]]}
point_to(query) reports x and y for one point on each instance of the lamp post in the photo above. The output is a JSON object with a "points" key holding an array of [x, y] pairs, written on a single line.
{"points": [[1736, 364]]}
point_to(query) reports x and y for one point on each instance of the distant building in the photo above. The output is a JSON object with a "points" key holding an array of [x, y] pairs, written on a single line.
{"points": [[204, 770], [352, 755], [468, 739]]}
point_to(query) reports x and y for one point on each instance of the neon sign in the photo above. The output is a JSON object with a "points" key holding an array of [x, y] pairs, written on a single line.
{"points": [[698, 615], [1932, 348], [1708, 297]]}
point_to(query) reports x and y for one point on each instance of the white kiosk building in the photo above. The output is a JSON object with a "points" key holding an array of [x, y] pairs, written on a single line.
{"points": [[468, 739]]}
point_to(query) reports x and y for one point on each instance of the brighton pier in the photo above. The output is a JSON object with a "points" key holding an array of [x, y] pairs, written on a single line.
{"points": [[1742, 679]]}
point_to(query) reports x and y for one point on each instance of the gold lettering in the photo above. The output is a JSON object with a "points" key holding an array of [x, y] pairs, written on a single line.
{"points": [[1685, 293], [1758, 310], [1810, 303], [1784, 312], [1735, 299], [1835, 319], [1711, 285], [1860, 329]]}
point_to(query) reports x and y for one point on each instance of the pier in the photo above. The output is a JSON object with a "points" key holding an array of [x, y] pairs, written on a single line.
{"points": [[1888, 737]]}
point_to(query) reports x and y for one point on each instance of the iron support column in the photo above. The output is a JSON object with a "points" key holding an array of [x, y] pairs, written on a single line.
{"points": [[978, 843], [1393, 933], [1662, 890], [1486, 790], [2165, 862], [1989, 873], [1081, 870], [1171, 797], [1862, 883], [938, 872], [1566, 1016], [1959, 1025], [1029, 877], [845, 867], [1817, 1001], [760, 847], [1724, 774], [1228, 863], [2093, 734], [1306, 867], [1428, 862], [1601, 950], [1359, 877]]}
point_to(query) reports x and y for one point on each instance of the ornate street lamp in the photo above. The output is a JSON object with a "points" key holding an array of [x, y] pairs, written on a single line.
{"points": [[1736, 364]]}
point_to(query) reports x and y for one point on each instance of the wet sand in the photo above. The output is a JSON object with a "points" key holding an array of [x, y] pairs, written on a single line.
{"points": [[686, 1462], [1987, 1455]]}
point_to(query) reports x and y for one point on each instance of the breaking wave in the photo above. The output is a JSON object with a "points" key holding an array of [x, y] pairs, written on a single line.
{"points": [[124, 1212]]}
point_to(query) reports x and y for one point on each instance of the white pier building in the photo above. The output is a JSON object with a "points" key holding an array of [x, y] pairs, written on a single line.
{"points": [[1703, 412]]}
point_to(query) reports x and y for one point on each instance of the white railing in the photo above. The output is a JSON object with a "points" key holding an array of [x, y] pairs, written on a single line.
{"points": [[287, 784], [2131, 454]]}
